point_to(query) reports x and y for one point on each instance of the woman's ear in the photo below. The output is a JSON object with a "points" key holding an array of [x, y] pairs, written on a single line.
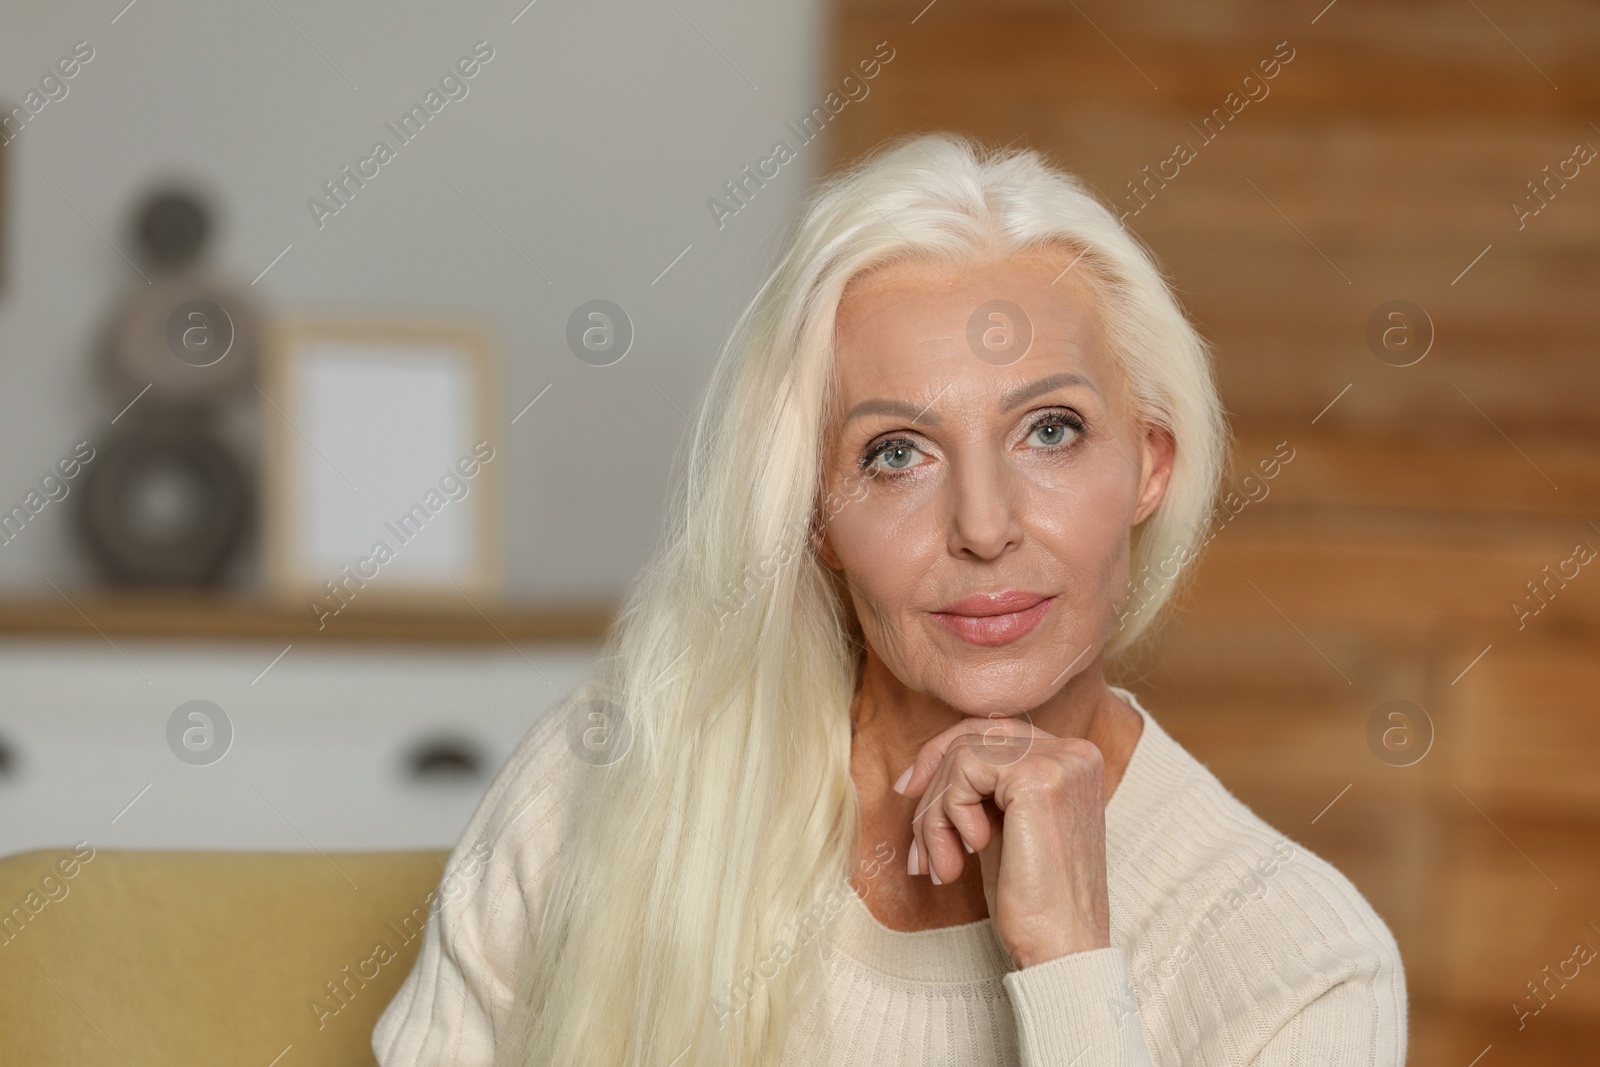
{"points": [[1155, 470]]}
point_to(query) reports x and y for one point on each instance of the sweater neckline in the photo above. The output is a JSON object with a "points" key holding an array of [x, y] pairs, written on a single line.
{"points": [[968, 952]]}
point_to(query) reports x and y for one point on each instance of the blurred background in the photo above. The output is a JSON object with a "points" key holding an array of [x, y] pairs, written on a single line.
{"points": [[1382, 216]]}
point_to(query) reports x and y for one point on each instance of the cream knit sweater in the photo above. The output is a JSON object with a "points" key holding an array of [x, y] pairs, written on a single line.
{"points": [[1231, 945]]}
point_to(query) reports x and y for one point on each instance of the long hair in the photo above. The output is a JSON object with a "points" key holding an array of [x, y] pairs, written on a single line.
{"points": [[676, 926]]}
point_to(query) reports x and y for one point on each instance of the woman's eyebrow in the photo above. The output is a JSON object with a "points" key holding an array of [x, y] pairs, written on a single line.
{"points": [[1024, 393], [898, 408], [1012, 398]]}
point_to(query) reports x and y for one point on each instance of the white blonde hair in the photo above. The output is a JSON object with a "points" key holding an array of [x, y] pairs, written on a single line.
{"points": [[695, 857]]}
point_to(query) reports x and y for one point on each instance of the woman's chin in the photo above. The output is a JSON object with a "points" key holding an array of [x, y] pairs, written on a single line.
{"points": [[998, 701]]}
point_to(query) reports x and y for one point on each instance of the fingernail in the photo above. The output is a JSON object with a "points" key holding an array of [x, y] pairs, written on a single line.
{"points": [[965, 845], [905, 777], [911, 858], [934, 875]]}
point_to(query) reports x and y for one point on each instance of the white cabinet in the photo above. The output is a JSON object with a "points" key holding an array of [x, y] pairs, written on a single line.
{"points": [[324, 744]]}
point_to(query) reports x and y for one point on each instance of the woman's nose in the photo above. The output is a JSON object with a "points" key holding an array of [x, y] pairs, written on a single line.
{"points": [[985, 508]]}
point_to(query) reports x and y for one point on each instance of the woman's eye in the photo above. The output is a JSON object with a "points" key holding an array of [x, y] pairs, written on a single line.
{"points": [[1050, 432], [894, 456]]}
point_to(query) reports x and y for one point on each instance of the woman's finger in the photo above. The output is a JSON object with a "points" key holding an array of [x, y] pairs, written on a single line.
{"points": [[953, 819], [995, 732], [991, 858]]}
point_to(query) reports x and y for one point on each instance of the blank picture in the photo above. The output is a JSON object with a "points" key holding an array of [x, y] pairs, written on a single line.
{"points": [[381, 467]]}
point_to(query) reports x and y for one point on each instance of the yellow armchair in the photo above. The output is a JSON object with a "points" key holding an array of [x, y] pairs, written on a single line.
{"points": [[271, 959]]}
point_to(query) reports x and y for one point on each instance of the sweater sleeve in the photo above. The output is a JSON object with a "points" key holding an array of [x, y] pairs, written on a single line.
{"points": [[1077, 1009], [1354, 1023], [1355, 1015], [454, 1004]]}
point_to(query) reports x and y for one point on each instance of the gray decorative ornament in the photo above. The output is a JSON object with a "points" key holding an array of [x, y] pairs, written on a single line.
{"points": [[185, 336]]}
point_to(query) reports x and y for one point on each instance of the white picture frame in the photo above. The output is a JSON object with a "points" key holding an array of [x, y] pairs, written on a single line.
{"points": [[381, 434]]}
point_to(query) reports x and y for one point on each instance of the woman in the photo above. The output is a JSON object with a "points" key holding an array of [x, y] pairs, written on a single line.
{"points": [[850, 785]]}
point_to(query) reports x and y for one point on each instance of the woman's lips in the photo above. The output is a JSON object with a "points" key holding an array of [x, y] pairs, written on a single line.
{"points": [[994, 620]]}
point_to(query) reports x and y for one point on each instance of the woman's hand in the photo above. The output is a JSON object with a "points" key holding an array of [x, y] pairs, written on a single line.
{"points": [[1032, 807]]}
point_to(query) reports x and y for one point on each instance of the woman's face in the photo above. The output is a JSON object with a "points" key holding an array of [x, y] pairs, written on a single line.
{"points": [[982, 486]]}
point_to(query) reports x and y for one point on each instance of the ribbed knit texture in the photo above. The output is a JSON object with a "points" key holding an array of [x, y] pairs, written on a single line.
{"points": [[1231, 945]]}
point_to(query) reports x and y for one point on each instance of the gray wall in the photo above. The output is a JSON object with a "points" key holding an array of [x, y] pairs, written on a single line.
{"points": [[592, 140]]}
